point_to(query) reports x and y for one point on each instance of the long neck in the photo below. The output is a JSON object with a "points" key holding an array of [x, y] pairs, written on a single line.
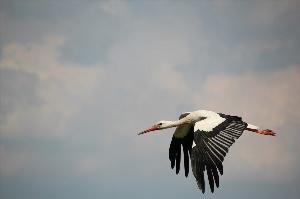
{"points": [[170, 124]]}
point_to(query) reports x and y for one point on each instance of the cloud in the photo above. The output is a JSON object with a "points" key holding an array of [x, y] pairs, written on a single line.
{"points": [[116, 7], [47, 97], [269, 100], [71, 105], [262, 93], [267, 13], [166, 77], [61, 88]]}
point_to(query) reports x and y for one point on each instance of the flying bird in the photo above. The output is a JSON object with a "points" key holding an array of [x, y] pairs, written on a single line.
{"points": [[205, 137]]}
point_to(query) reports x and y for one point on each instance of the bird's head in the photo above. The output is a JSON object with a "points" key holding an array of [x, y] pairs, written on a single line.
{"points": [[158, 126]]}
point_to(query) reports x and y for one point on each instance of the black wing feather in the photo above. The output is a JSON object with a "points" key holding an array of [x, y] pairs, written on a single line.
{"points": [[187, 143], [212, 147], [198, 166], [210, 177], [178, 157], [175, 151], [186, 161]]}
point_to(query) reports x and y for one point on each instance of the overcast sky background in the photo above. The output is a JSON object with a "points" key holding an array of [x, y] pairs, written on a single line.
{"points": [[79, 80]]}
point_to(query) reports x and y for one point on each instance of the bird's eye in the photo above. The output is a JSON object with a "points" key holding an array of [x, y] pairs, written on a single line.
{"points": [[159, 123]]}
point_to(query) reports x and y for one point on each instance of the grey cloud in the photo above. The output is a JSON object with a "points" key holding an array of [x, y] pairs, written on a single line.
{"points": [[112, 71], [12, 88]]}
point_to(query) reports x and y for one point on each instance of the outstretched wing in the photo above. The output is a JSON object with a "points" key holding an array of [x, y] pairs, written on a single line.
{"points": [[175, 150], [211, 146], [184, 135]]}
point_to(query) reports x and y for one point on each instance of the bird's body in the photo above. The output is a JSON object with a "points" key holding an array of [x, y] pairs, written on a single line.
{"points": [[205, 137]]}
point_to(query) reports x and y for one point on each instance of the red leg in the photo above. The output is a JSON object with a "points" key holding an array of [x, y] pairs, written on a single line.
{"points": [[264, 131]]}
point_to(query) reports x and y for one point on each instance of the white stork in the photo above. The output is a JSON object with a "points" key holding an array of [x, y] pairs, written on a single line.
{"points": [[205, 137]]}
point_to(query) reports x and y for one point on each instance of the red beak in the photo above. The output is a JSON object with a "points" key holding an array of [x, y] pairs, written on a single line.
{"points": [[152, 128]]}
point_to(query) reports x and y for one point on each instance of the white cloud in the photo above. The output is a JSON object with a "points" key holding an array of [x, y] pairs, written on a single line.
{"points": [[263, 96], [155, 59], [167, 78], [62, 88]]}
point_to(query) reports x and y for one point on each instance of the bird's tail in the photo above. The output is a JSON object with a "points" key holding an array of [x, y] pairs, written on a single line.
{"points": [[251, 126]]}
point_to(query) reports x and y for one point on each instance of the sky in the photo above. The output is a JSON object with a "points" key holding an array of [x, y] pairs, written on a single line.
{"points": [[79, 80]]}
